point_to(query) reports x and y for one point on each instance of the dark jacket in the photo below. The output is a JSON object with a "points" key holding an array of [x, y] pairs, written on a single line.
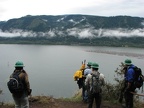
{"points": [[24, 77]]}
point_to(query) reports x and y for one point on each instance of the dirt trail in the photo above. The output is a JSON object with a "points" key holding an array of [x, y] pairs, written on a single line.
{"points": [[57, 103]]}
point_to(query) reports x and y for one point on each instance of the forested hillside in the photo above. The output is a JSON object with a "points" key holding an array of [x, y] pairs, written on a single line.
{"points": [[74, 30], [45, 23]]}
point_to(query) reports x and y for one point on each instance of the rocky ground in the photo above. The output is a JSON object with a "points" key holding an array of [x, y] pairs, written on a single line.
{"points": [[60, 103], [50, 102]]}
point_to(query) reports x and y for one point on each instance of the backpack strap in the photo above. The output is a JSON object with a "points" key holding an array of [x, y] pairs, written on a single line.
{"points": [[15, 80], [16, 74]]}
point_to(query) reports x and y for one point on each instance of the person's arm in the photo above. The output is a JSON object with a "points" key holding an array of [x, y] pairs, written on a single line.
{"points": [[102, 79], [26, 79], [87, 79], [130, 74], [130, 77]]}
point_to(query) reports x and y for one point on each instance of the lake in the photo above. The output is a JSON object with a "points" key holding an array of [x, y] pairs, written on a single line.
{"points": [[51, 67]]}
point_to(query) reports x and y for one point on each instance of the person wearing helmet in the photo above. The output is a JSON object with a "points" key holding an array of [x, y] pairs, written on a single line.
{"points": [[79, 77], [90, 81], [86, 72], [129, 83], [21, 98], [88, 69]]}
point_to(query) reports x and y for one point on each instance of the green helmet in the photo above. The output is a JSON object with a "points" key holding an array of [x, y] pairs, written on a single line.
{"points": [[95, 65], [128, 62], [19, 64], [89, 63]]}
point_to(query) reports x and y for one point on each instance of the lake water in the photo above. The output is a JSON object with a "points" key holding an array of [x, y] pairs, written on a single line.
{"points": [[51, 67]]}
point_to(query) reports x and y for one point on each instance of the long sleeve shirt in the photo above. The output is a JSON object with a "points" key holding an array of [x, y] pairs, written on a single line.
{"points": [[88, 81], [87, 71], [24, 77], [129, 76]]}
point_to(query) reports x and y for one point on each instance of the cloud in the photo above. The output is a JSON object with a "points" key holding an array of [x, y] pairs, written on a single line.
{"points": [[17, 8], [123, 32], [81, 33], [17, 32]]}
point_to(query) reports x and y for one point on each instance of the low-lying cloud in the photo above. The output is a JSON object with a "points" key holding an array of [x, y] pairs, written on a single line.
{"points": [[81, 33]]}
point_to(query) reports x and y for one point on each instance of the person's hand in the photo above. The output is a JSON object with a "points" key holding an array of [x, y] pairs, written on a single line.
{"points": [[29, 92], [127, 90], [75, 79]]}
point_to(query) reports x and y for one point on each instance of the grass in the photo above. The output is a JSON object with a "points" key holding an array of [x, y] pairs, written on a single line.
{"points": [[6, 105], [50, 101]]}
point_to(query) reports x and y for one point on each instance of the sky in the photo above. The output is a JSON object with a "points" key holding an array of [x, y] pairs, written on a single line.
{"points": [[18, 8]]}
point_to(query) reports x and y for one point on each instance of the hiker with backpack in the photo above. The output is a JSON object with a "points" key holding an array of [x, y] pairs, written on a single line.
{"points": [[88, 69], [94, 83], [19, 86], [79, 77], [130, 82], [86, 72]]}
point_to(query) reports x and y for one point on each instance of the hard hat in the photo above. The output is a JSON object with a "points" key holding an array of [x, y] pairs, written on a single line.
{"points": [[128, 62], [89, 63], [95, 65], [19, 64]]}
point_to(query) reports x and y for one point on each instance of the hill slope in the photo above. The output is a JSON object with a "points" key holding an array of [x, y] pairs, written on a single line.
{"points": [[44, 23], [74, 30]]}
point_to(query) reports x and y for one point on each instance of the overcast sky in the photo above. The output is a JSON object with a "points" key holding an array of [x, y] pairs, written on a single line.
{"points": [[17, 8]]}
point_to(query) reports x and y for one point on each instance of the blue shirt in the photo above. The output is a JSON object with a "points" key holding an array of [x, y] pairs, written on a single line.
{"points": [[87, 71], [129, 76]]}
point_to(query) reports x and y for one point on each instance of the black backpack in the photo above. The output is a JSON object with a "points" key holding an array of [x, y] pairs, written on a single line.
{"points": [[15, 84], [138, 78]]}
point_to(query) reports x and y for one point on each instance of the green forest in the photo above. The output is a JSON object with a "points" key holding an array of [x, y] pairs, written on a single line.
{"points": [[70, 40], [67, 30]]}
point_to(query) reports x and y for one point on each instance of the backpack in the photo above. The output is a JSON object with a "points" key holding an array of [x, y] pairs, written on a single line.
{"points": [[138, 78], [15, 84], [95, 86]]}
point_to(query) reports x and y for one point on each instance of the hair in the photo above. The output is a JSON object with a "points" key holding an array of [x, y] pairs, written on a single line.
{"points": [[95, 69], [18, 68], [89, 66]]}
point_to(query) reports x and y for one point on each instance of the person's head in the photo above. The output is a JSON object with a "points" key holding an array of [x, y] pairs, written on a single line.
{"points": [[95, 66], [127, 62], [19, 65], [89, 64]]}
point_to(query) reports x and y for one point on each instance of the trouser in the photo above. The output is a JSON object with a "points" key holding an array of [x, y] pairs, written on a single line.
{"points": [[97, 97], [80, 83], [129, 96], [84, 94], [128, 100], [21, 102]]}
